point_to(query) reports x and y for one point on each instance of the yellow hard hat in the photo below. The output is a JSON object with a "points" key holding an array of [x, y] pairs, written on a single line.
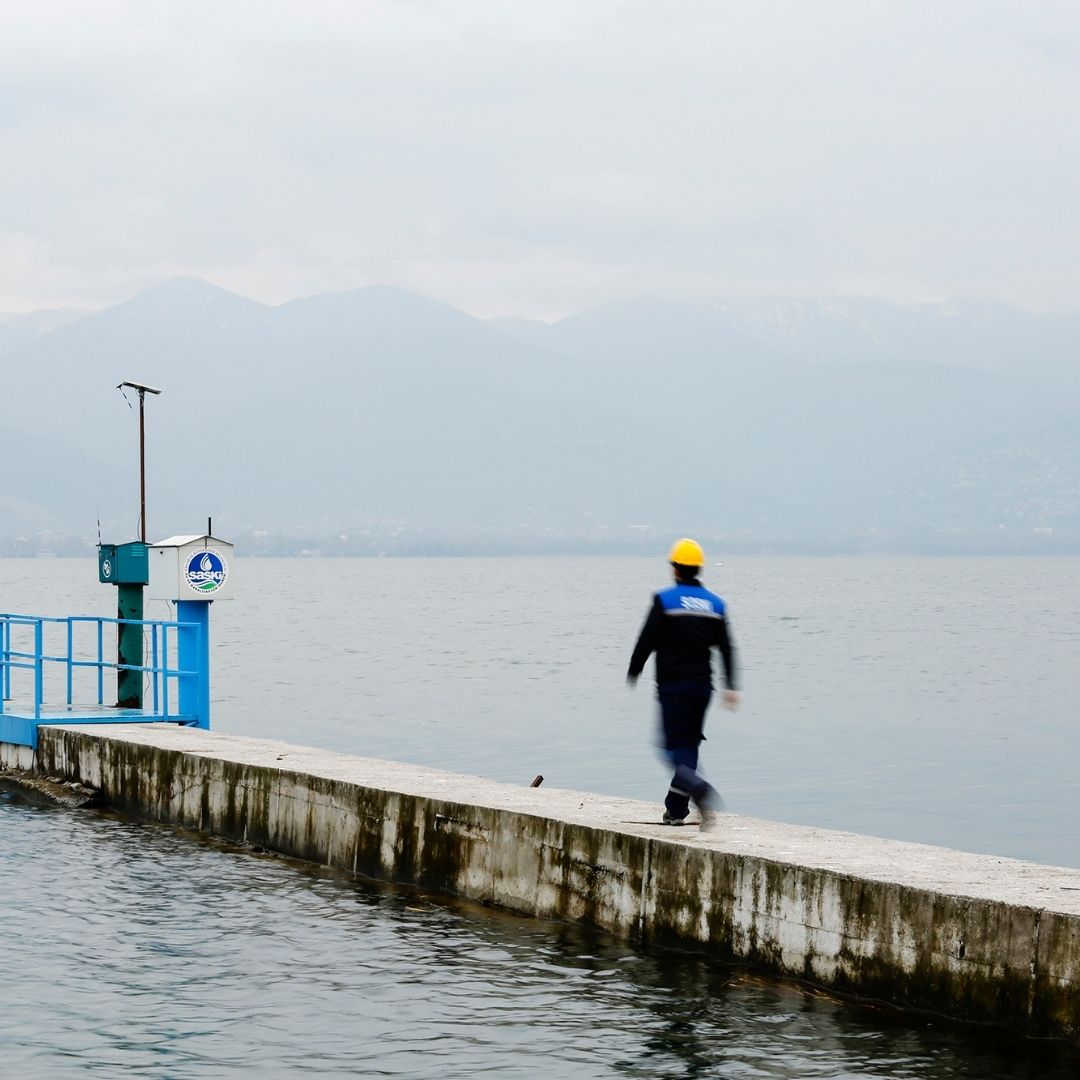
{"points": [[686, 552]]}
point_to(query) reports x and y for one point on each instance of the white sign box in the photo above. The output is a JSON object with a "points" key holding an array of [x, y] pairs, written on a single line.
{"points": [[191, 568]]}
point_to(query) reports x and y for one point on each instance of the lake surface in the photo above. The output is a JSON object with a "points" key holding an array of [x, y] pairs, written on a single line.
{"points": [[923, 699]]}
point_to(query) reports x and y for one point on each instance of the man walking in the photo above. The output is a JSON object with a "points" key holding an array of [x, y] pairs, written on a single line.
{"points": [[684, 623]]}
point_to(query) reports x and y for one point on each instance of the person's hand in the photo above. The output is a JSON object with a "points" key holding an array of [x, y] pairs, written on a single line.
{"points": [[731, 699]]}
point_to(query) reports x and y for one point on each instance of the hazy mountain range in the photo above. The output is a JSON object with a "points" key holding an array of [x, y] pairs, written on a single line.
{"points": [[379, 420]]}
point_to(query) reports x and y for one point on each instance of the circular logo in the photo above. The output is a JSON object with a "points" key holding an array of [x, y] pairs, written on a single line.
{"points": [[106, 569], [206, 571]]}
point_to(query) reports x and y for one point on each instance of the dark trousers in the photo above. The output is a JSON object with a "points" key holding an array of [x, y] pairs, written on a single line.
{"points": [[682, 711]]}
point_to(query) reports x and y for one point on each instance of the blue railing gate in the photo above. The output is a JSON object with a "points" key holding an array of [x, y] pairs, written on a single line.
{"points": [[43, 659]]}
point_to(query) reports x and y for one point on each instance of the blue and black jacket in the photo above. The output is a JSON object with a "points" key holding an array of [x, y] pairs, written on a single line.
{"points": [[683, 626]]}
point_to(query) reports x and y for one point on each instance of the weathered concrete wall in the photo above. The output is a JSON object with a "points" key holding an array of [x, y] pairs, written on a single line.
{"points": [[970, 936]]}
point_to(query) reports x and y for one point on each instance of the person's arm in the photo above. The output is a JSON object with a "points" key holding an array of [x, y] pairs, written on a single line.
{"points": [[726, 646], [646, 642]]}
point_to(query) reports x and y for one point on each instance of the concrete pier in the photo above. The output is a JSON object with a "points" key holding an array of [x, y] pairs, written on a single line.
{"points": [[969, 936]]}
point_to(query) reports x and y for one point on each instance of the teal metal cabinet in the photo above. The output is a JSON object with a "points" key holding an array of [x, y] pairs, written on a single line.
{"points": [[123, 564]]}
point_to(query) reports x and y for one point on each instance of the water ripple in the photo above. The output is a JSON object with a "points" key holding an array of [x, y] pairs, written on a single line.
{"points": [[145, 952]]}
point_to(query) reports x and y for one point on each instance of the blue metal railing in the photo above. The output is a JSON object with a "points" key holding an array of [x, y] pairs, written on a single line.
{"points": [[163, 644]]}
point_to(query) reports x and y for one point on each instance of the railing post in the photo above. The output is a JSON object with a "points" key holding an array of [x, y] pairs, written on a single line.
{"points": [[70, 650], [5, 651], [100, 662], [165, 669], [5, 662], [154, 631], [39, 668]]}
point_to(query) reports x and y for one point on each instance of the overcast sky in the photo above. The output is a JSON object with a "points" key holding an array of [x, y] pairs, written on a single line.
{"points": [[537, 157]]}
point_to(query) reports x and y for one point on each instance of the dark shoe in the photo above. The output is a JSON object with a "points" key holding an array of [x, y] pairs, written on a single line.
{"points": [[709, 820], [667, 819]]}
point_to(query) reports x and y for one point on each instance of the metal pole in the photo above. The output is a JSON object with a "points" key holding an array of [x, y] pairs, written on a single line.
{"points": [[142, 390], [142, 466], [129, 647], [129, 602], [193, 658]]}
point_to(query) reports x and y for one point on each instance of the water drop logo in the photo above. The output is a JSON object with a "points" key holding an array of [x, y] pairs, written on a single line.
{"points": [[206, 571]]}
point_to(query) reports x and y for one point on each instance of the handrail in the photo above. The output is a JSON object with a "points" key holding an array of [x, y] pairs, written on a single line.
{"points": [[15, 659]]}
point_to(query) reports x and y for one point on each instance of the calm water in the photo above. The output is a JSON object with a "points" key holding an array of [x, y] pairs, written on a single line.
{"points": [[923, 699]]}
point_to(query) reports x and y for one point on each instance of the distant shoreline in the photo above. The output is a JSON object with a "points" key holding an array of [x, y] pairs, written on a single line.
{"points": [[717, 553]]}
